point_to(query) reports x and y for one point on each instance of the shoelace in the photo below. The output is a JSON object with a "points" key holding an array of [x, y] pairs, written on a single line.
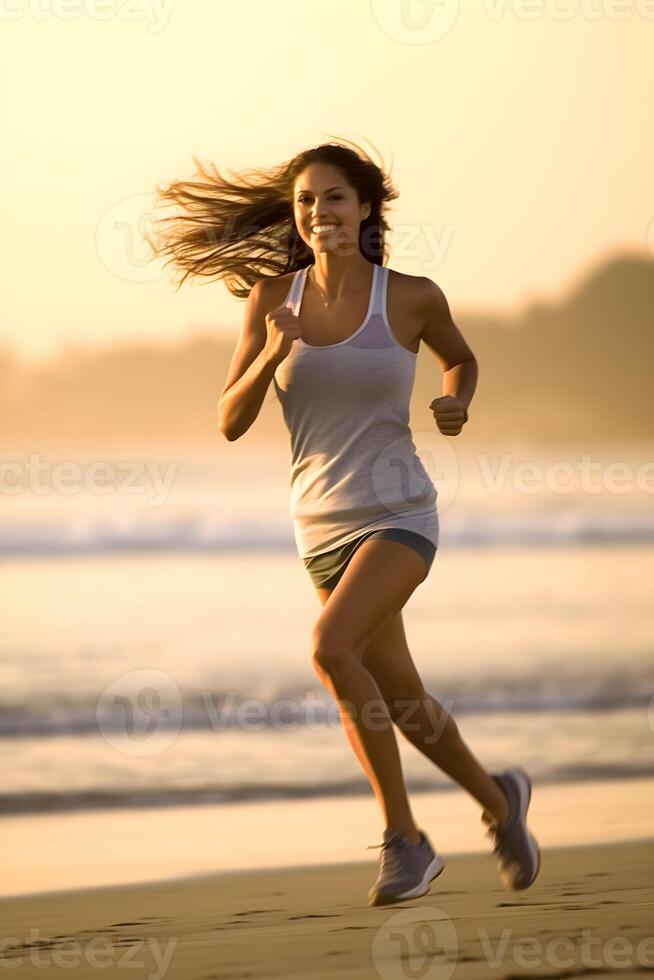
{"points": [[395, 839], [384, 844], [391, 860]]}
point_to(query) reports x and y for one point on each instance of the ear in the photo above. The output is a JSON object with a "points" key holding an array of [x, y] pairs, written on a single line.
{"points": [[368, 211]]}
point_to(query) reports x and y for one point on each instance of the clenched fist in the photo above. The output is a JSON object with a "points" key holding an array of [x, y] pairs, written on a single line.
{"points": [[450, 414], [283, 327]]}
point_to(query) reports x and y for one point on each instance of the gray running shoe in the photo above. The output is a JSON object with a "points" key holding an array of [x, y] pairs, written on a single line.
{"points": [[518, 854], [405, 870]]}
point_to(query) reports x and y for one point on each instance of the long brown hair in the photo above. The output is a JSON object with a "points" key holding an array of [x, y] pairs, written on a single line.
{"points": [[243, 229]]}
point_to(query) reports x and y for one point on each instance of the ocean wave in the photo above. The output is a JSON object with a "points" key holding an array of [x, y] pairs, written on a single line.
{"points": [[288, 710], [196, 534], [103, 799]]}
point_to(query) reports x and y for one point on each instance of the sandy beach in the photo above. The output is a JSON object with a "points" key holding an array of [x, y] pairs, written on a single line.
{"points": [[589, 912]]}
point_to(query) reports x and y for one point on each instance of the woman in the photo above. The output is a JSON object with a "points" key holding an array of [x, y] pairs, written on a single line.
{"points": [[338, 334]]}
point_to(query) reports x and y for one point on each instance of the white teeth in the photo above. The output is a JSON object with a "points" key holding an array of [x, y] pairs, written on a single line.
{"points": [[319, 228]]}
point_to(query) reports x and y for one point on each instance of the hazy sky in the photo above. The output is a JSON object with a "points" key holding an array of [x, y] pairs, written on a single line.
{"points": [[519, 133]]}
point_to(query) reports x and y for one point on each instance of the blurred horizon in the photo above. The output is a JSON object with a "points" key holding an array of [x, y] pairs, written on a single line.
{"points": [[589, 344], [23, 358]]}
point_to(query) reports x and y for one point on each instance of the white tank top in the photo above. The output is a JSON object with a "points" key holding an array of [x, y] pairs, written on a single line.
{"points": [[354, 465]]}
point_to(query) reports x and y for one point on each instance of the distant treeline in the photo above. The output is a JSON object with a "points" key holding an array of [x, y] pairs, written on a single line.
{"points": [[577, 369]]}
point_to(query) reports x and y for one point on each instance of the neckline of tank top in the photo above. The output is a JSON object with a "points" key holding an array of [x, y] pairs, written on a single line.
{"points": [[376, 287]]}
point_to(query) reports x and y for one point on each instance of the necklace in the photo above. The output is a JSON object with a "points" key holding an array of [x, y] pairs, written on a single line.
{"points": [[320, 292]]}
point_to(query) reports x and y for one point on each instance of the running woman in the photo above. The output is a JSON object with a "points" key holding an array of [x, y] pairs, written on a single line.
{"points": [[337, 333]]}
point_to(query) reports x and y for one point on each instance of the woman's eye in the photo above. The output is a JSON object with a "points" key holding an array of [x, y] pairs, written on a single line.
{"points": [[337, 197]]}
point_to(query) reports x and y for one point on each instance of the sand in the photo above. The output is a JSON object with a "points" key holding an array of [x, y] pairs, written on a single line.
{"points": [[589, 912]]}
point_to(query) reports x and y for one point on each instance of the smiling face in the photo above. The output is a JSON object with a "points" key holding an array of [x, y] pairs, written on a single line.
{"points": [[327, 210]]}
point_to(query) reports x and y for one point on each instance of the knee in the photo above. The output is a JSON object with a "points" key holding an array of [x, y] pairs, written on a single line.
{"points": [[331, 654]]}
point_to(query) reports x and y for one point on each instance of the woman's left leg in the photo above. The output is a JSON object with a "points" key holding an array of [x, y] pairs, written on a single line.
{"points": [[379, 579], [423, 720]]}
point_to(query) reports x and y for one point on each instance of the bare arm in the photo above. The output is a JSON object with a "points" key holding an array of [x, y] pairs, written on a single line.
{"points": [[251, 370], [460, 369]]}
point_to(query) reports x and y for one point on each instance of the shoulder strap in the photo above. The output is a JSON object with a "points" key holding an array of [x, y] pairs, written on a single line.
{"points": [[379, 290], [294, 296]]}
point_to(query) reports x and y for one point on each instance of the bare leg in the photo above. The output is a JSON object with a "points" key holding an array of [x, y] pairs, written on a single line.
{"points": [[430, 728], [370, 593], [376, 749], [423, 721]]}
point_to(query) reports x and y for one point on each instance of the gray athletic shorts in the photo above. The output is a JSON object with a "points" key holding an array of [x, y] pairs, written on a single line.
{"points": [[326, 569]]}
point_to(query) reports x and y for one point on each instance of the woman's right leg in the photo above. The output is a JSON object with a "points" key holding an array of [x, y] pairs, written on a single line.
{"points": [[421, 718]]}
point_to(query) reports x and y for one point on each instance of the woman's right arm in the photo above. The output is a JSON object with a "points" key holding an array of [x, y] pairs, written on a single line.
{"points": [[264, 342]]}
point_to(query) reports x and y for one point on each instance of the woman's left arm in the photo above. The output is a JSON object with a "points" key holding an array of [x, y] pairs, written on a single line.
{"points": [[460, 369]]}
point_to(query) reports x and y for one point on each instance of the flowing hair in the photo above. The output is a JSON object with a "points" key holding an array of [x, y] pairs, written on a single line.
{"points": [[243, 229]]}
